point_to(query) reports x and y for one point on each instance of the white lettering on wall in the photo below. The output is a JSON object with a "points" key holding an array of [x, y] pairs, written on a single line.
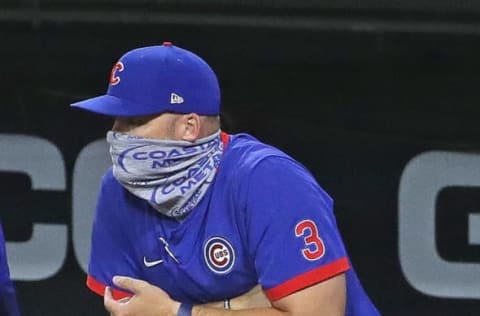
{"points": [[422, 180], [44, 254]]}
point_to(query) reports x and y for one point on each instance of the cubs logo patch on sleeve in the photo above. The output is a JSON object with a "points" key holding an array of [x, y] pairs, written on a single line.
{"points": [[219, 255]]}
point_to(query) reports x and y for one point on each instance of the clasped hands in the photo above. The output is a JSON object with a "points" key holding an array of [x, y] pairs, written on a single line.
{"points": [[150, 300]]}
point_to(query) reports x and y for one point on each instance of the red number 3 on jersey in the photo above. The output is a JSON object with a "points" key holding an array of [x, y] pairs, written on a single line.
{"points": [[314, 247]]}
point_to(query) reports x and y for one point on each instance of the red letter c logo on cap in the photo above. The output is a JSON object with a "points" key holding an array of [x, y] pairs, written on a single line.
{"points": [[114, 79]]}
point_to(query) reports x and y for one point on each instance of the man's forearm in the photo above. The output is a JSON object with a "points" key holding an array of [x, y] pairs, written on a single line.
{"points": [[326, 298], [209, 311]]}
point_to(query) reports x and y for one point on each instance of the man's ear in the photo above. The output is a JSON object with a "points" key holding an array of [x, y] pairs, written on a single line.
{"points": [[191, 127]]}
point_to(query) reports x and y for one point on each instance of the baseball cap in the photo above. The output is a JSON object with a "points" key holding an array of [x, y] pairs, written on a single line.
{"points": [[157, 79]]}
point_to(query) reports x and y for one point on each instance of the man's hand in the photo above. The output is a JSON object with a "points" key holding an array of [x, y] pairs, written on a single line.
{"points": [[146, 294], [147, 299]]}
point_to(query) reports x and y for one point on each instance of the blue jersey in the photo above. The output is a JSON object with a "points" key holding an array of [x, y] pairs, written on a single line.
{"points": [[264, 220], [8, 300]]}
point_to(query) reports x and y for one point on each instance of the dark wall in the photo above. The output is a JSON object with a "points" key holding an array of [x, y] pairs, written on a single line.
{"points": [[353, 106], [376, 6]]}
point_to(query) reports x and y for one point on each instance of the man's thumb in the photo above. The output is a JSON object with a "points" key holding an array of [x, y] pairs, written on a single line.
{"points": [[130, 284]]}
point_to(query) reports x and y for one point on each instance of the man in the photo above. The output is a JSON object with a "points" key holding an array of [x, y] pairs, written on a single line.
{"points": [[8, 300], [202, 216]]}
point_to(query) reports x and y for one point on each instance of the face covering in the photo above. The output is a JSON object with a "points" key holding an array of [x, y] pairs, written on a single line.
{"points": [[172, 176]]}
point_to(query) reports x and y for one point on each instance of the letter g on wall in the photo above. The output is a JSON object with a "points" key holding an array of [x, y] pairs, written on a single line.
{"points": [[423, 178]]}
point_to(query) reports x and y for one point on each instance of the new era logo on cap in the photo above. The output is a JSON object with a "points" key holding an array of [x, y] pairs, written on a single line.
{"points": [[175, 99], [158, 79]]}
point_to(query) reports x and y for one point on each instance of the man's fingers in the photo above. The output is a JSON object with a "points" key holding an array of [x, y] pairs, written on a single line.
{"points": [[108, 301], [133, 285]]}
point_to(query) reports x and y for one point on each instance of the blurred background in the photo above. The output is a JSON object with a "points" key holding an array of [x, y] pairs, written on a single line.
{"points": [[379, 99]]}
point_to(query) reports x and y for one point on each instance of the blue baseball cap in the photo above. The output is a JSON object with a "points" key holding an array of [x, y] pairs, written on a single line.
{"points": [[157, 79]]}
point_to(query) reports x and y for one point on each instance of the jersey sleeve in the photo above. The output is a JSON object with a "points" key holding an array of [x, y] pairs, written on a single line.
{"points": [[293, 234], [111, 249]]}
